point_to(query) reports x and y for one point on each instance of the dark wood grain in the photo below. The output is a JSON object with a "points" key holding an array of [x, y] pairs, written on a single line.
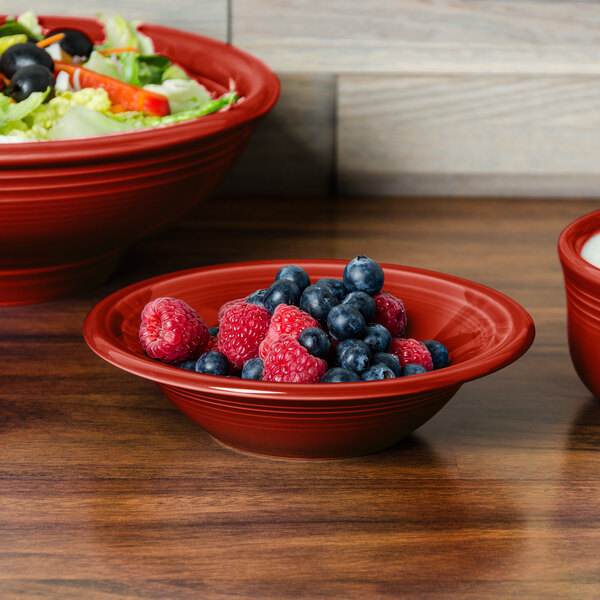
{"points": [[107, 491]]}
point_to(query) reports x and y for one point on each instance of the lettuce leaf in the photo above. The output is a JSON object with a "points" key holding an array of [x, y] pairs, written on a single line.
{"points": [[123, 34], [15, 111], [183, 94], [80, 121], [102, 64], [142, 69]]}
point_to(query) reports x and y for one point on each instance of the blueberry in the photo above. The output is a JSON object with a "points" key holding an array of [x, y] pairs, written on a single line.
{"points": [[357, 357], [316, 341], [439, 354], [377, 372], [362, 274], [364, 303], [342, 347], [318, 301], [213, 331], [257, 297], [336, 285], [253, 369], [339, 375], [413, 369], [344, 322], [296, 274], [389, 360], [188, 365], [378, 338], [282, 291], [212, 363]]}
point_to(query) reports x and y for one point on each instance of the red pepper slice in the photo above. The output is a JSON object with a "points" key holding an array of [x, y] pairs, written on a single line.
{"points": [[130, 97]]}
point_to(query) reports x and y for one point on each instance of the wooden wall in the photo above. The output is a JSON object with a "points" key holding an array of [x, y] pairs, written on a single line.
{"points": [[452, 97]]}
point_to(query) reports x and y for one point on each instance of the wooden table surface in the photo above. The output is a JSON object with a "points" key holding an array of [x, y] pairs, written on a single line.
{"points": [[107, 491]]}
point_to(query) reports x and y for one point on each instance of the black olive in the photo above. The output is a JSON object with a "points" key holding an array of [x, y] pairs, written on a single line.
{"points": [[22, 55], [29, 79], [75, 42]]}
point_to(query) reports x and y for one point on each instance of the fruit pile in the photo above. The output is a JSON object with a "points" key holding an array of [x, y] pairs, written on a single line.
{"points": [[295, 331]]}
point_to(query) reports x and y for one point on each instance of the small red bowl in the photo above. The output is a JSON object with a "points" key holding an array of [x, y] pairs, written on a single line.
{"points": [[582, 288], [70, 208], [483, 329]]}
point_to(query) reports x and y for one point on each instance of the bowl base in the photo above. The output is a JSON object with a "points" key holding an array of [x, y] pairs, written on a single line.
{"points": [[42, 284], [295, 457]]}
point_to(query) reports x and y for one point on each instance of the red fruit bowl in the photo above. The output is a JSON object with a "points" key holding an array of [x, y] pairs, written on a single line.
{"points": [[483, 329], [582, 288], [70, 208]]}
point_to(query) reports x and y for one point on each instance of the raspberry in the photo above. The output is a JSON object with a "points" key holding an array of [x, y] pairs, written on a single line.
{"points": [[241, 329], [286, 319], [172, 331], [225, 307], [390, 313], [213, 343], [411, 351], [289, 362]]}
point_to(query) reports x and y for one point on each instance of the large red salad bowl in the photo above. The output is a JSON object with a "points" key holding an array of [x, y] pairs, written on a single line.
{"points": [[70, 208], [483, 329]]}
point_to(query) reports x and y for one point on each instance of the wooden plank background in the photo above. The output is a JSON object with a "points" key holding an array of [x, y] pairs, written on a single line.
{"points": [[408, 97]]}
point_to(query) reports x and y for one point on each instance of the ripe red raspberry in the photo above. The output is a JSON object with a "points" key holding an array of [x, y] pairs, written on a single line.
{"points": [[213, 343], [289, 320], [390, 313], [411, 351], [225, 307], [172, 331], [241, 329], [289, 362]]}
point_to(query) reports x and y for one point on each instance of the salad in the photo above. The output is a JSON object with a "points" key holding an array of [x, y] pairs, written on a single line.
{"points": [[57, 84]]}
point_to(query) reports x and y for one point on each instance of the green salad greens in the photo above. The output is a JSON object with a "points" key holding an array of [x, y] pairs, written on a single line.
{"points": [[73, 109]]}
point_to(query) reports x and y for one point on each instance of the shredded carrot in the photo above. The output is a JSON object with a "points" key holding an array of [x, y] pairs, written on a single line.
{"points": [[117, 108], [108, 51], [50, 40], [5, 79]]}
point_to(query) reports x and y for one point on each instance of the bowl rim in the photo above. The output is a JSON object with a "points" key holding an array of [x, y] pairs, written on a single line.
{"points": [[571, 240], [265, 92], [100, 341]]}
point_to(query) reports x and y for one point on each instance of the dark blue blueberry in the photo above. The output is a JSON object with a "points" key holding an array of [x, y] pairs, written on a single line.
{"points": [[212, 363], [413, 369], [364, 303], [213, 331], [188, 365], [345, 322], [389, 360], [357, 357], [316, 341], [339, 375], [378, 338], [362, 274], [439, 354], [378, 372], [283, 291], [257, 297], [342, 347], [253, 369], [336, 285], [296, 274], [318, 301]]}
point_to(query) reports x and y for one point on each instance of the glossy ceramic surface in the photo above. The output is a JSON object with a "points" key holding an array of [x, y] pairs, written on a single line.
{"points": [[69, 208], [582, 288], [483, 329]]}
